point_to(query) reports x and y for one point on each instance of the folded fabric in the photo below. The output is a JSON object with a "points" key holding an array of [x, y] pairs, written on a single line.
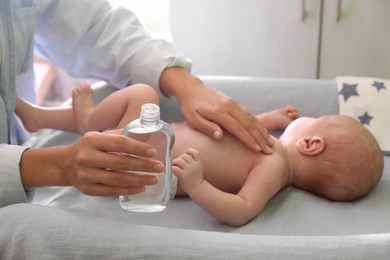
{"points": [[367, 100]]}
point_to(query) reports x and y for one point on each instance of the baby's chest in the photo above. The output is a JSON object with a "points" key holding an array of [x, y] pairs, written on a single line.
{"points": [[226, 163]]}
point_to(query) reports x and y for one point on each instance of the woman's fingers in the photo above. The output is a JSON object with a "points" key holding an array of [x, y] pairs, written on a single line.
{"points": [[102, 164], [118, 153], [111, 183]]}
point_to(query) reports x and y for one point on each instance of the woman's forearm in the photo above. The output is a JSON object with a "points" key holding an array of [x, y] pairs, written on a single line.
{"points": [[42, 167], [177, 81]]}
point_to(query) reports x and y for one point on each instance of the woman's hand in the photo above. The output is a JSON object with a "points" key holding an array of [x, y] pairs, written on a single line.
{"points": [[96, 164], [210, 111]]}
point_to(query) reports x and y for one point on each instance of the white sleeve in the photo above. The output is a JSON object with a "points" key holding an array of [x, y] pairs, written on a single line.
{"points": [[11, 188], [88, 38]]}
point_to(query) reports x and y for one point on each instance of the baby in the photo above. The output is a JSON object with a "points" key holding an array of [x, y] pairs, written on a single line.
{"points": [[332, 156]]}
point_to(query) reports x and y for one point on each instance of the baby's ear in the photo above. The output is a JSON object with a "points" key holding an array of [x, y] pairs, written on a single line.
{"points": [[310, 145]]}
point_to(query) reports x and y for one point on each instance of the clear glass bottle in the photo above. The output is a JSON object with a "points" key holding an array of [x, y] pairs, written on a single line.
{"points": [[150, 129]]}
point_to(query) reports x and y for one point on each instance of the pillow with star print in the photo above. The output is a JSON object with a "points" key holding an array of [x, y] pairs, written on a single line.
{"points": [[367, 100]]}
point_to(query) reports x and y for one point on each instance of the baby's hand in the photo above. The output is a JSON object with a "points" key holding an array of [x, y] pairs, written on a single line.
{"points": [[285, 116], [188, 168]]}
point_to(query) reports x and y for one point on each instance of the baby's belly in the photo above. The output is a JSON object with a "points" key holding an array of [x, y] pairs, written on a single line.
{"points": [[226, 163]]}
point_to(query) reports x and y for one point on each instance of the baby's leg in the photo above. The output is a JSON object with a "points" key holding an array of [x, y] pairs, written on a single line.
{"points": [[38, 117], [189, 170], [115, 111], [29, 115]]}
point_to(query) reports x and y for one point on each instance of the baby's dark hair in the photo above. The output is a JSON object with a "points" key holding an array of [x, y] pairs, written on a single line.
{"points": [[351, 165]]}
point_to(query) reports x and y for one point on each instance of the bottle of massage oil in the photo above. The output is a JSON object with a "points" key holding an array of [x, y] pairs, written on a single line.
{"points": [[149, 128]]}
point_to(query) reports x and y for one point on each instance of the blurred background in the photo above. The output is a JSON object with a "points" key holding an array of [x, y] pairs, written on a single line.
{"points": [[317, 39]]}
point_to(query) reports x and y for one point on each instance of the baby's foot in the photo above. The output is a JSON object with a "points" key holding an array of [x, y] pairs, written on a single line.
{"points": [[285, 116], [28, 114], [83, 104], [189, 170]]}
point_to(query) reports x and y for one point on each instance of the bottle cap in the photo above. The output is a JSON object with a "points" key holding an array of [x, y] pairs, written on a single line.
{"points": [[150, 111]]}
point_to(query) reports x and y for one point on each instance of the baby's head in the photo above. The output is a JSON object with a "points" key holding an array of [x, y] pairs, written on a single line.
{"points": [[335, 157]]}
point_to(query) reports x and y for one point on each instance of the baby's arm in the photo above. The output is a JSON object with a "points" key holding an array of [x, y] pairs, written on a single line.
{"points": [[278, 118], [234, 209]]}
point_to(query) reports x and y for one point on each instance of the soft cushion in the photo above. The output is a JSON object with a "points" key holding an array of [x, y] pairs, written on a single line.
{"points": [[367, 100]]}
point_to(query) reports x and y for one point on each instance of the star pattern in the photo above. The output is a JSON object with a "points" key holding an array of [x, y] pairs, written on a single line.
{"points": [[348, 91], [379, 85], [367, 100], [365, 118]]}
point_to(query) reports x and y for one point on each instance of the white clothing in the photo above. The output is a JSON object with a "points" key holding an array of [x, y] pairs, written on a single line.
{"points": [[85, 37]]}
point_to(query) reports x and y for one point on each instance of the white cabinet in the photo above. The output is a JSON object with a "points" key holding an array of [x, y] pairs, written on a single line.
{"points": [[359, 43], [284, 38]]}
